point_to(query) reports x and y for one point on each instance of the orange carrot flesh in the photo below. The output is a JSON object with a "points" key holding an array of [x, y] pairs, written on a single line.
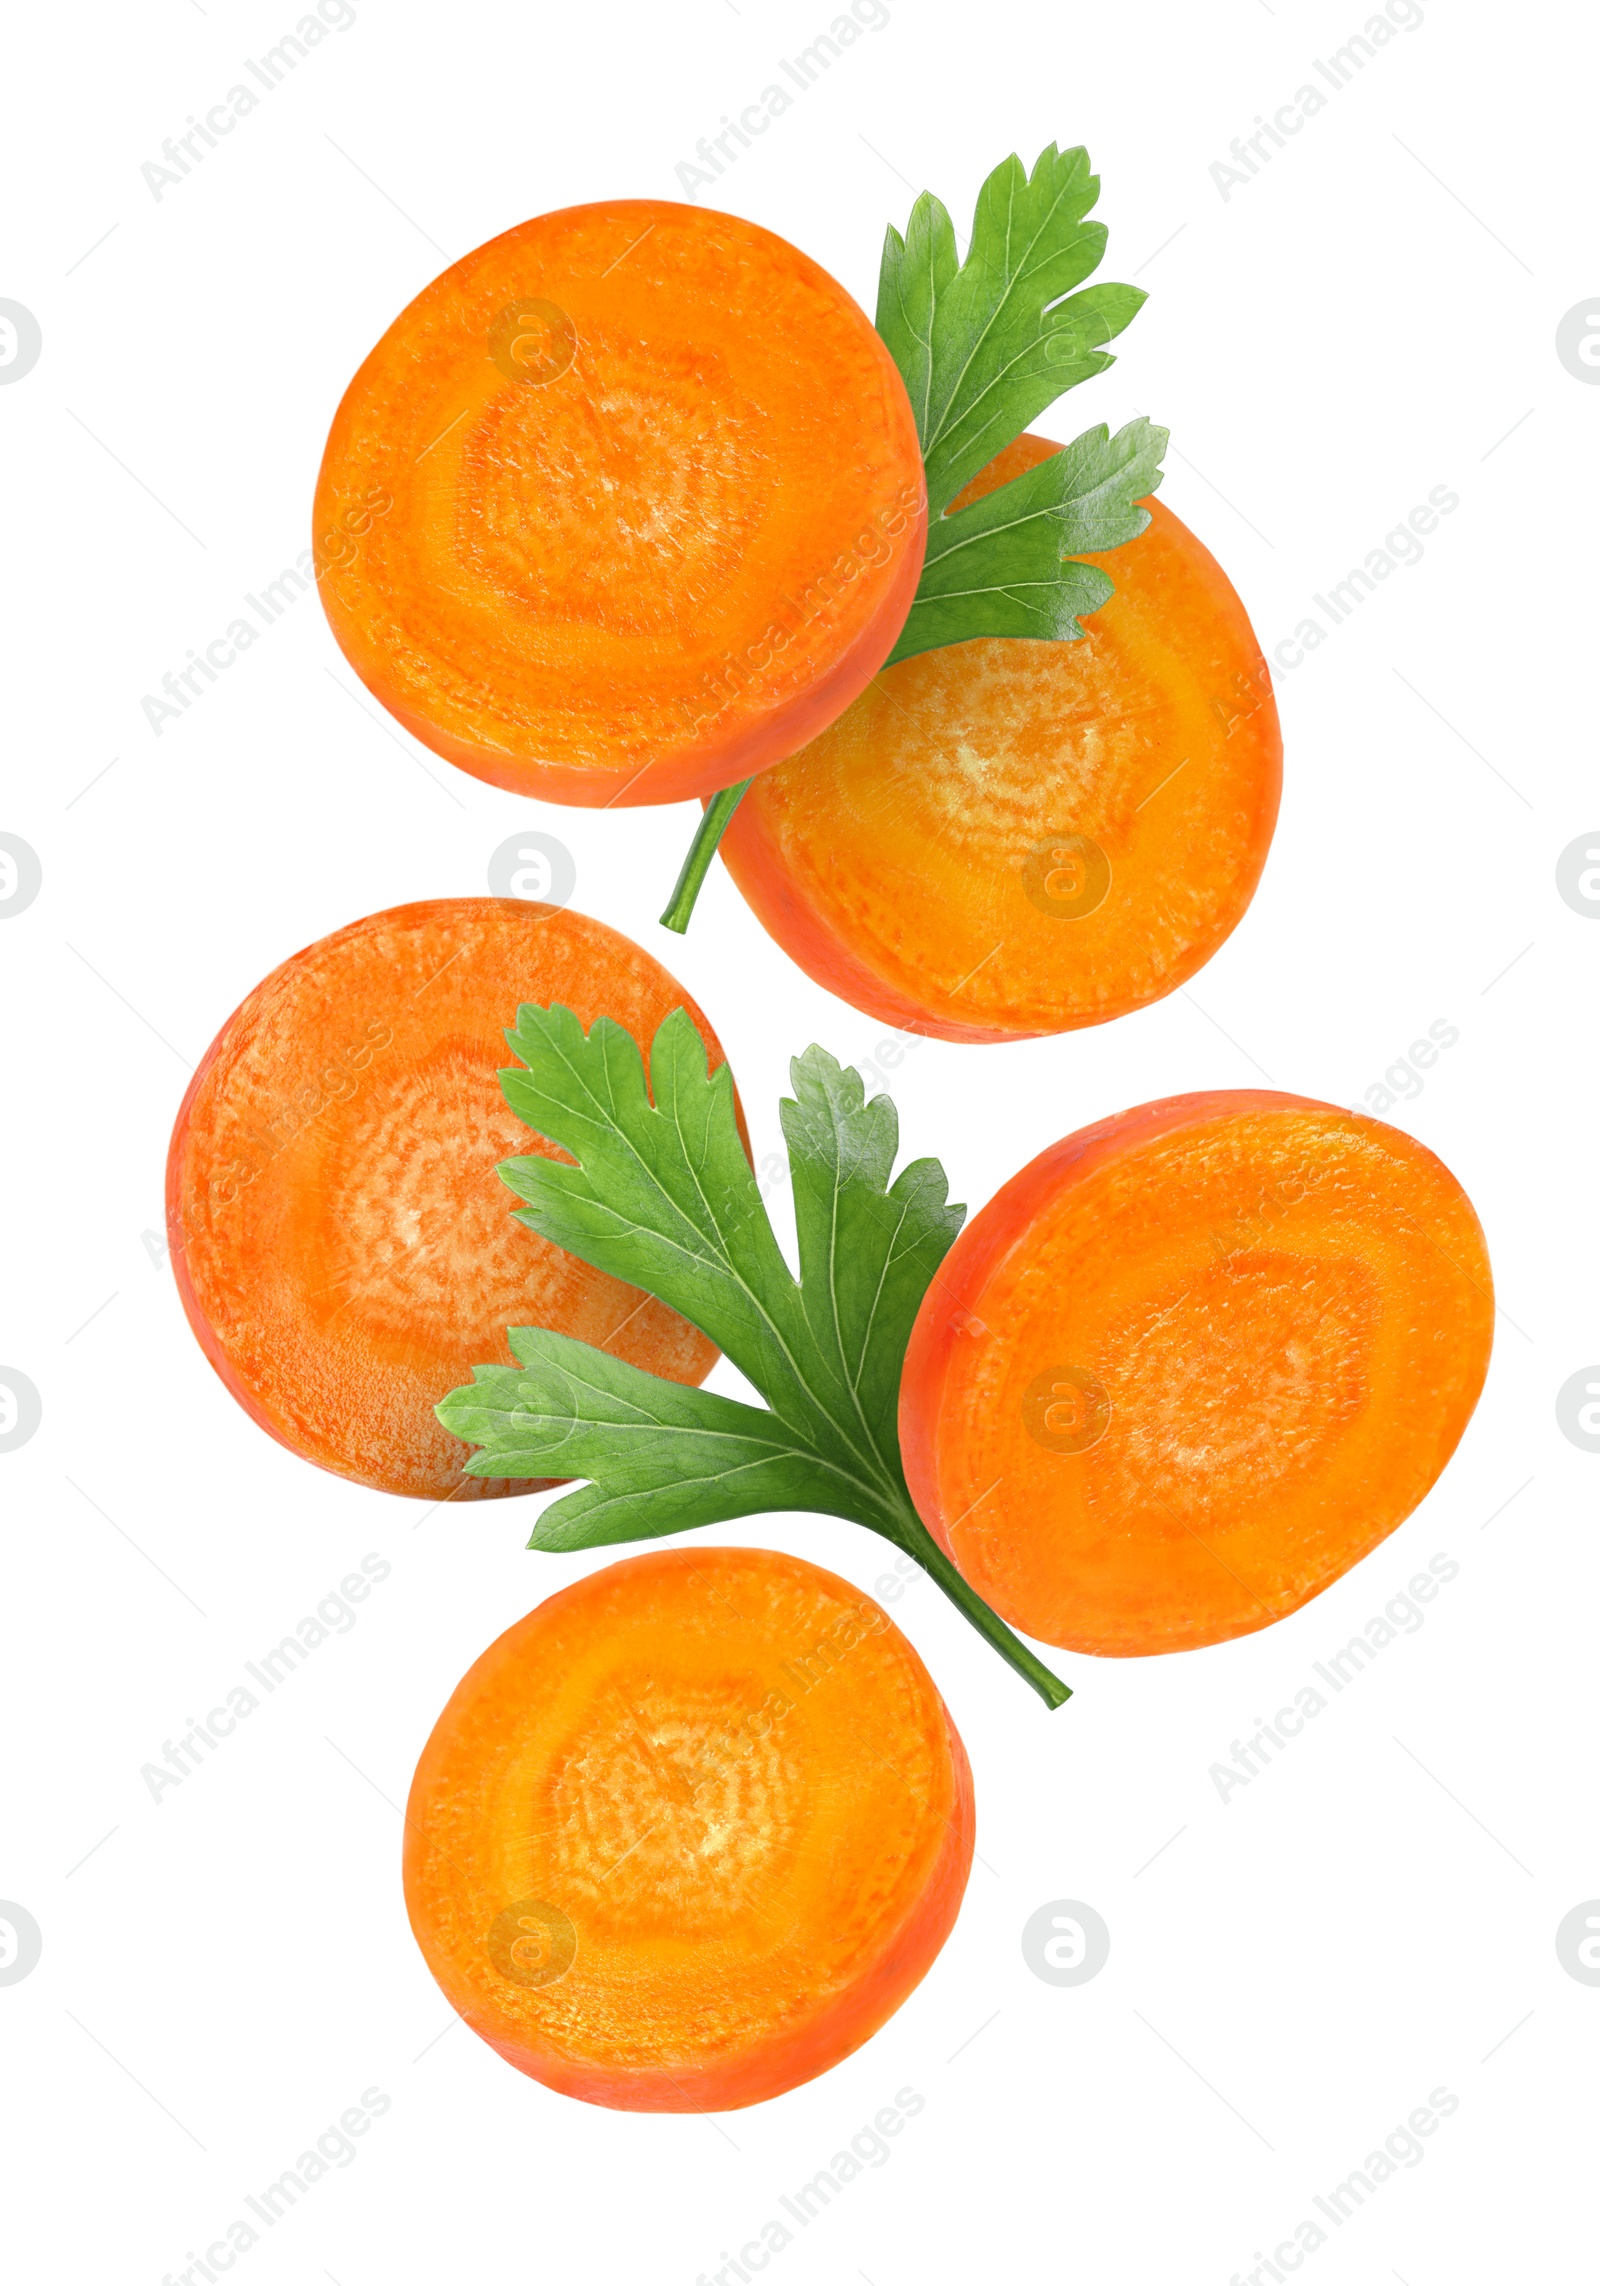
{"points": [[689, 1833], [343, 1245], [627, 505], [1190, 1365], [1004, 837]]}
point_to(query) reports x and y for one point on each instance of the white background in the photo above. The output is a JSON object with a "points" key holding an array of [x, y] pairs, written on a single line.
{"points": [[1371, 316]]}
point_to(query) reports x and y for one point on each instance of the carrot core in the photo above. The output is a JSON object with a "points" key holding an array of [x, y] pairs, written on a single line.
{"points": [[344, 1246], [690, 1832], [1003, 838], [627, 505], [1191, 1364]]}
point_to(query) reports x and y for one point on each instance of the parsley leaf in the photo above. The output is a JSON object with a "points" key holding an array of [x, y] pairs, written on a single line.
{"points": [[1003, 565], [660, 1457], [983, 347], [658, 1191]]}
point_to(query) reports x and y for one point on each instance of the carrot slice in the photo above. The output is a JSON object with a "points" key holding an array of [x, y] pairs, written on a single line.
{"points": [[1191, 1364], [626, 505], [689, 1833], [1006, 838], [343, 1246]]}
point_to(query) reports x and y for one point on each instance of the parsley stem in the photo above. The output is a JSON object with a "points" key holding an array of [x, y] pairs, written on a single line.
{"points": [[703, 848], [919, 1542]]}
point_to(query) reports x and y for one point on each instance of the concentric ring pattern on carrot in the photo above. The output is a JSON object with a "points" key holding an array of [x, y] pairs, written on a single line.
{"points": [[627, 505], [335, 1218], [1193, 1363], [690, 1832], [1005, 837]]}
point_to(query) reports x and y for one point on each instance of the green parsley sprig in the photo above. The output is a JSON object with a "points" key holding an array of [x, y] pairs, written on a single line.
{"points": [[659, 1192], [984, 346]]}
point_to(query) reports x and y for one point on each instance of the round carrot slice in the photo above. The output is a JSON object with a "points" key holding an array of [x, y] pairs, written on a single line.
{"points": [[625, 506], [1006, 838], [690, 1832], [1191, 1365], [344, 1247]]}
